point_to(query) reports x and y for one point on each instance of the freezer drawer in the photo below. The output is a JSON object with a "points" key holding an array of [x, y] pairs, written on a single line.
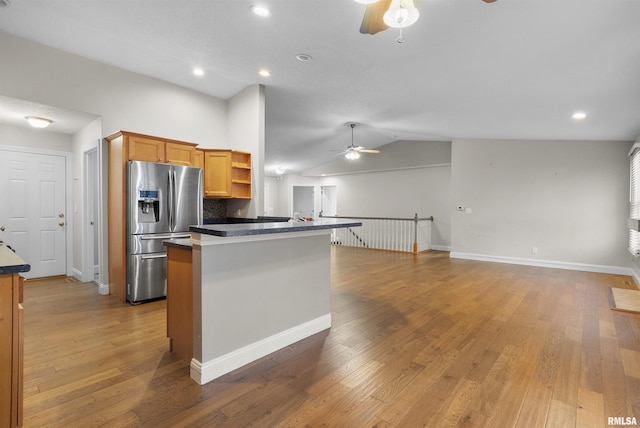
{"points": [[152, 243], [146, 277]]}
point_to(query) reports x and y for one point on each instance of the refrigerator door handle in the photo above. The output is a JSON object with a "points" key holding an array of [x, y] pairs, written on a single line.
{"points": [[172, 236], [153, 256], [171, 200]]}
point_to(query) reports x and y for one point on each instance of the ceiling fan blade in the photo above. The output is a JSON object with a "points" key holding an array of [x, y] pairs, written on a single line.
{"points": [[372, 22], [368, 151]]}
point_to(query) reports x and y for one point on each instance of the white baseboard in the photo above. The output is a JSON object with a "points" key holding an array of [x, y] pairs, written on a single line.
{"points": [[616, 270], [441, 247], [210, 370], [636, 278], [103, 289], [77, 274]]}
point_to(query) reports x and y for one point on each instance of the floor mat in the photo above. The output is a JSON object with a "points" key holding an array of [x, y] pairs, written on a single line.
{"points": [[625, 300]]}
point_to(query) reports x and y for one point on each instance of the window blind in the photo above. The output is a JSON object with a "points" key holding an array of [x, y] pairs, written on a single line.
{"points": [[634, 200]]}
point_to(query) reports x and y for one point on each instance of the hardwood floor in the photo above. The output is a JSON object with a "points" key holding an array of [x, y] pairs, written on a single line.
{"points": [[416, 341]]}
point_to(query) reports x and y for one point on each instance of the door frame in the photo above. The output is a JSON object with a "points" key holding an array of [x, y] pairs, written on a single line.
{"points": [[92, 200], [68, 188]]}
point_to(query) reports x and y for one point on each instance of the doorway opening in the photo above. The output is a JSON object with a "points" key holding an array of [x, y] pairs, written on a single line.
{"points": [[328, 201], [303, 202]]}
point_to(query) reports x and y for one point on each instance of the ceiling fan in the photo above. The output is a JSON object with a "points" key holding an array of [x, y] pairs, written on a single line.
{"points": [[352, 152], [382, 14]]}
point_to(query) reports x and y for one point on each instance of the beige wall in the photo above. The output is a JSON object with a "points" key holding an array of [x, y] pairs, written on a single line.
{"points": [[569, 199]]}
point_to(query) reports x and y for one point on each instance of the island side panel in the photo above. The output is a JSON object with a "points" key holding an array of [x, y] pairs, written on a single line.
{"points": [[258, 296]]}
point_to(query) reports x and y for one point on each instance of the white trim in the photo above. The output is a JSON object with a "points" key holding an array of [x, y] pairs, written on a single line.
{"points": [[210, 370], [441, 247], [88, 244], [370, 171], [103, 289], [616, 270]]}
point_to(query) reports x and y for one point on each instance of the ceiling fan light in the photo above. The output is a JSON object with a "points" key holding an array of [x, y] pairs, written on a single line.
{"points": [[38, 122], [352, 154], [401, 13]]}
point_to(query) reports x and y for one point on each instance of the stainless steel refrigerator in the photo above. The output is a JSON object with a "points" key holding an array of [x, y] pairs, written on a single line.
{"points": [[162, 202]]}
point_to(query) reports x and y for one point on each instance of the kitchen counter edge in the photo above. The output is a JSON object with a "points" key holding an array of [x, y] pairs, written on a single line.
{"points": [[247, 229], [10, 262]]}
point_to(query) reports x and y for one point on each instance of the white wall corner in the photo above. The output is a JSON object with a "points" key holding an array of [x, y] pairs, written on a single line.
{"points": [[441, 247]]}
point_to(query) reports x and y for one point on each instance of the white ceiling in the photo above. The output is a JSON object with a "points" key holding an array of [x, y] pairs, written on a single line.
{"points": [[513, 69]]}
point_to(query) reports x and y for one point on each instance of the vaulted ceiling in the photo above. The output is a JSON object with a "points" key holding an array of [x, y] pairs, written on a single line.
{"points": [[467, 69]]}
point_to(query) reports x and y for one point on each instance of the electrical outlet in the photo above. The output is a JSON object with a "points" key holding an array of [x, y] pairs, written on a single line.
{"points": [[534, 250]]}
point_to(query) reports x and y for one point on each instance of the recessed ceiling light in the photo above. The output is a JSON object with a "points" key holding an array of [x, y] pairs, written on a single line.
{"points": [[260, 10], [303, 57], [38, 122], [579, 115], [198, 72], [264, 73]]}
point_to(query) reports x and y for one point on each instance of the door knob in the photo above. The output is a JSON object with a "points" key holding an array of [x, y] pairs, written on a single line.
{"points": [[61, 223], [61, 215], [1, 228]]}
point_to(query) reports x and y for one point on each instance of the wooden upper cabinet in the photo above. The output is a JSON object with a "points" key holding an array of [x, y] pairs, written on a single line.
{"points": [[217, 174], [198, 158], [153, 149], [240, 174], [181, 154], [146, 149], [227, 174]]}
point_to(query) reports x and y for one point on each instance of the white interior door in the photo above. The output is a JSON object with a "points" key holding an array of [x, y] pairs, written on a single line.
{"points": [[329, 201], [303, 201], [32, 216]]}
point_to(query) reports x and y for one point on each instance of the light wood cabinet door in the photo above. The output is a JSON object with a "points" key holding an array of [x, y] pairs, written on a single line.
{"points": [[180, 301], [217, 174], [146, 149], [11, 350], [181, 154]]}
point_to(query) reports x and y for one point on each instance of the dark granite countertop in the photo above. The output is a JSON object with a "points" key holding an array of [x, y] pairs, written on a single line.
{"points": [[10, 262], [247, 229]]}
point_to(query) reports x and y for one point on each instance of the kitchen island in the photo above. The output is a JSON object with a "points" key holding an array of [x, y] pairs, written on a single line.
{"points": [[256, 288]]}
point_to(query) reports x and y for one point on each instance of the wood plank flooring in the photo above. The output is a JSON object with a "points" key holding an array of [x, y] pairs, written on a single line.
{"points": [[416, 341]]}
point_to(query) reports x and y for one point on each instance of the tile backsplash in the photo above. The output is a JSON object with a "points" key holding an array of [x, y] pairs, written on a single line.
{"points": [[214, 208]]}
